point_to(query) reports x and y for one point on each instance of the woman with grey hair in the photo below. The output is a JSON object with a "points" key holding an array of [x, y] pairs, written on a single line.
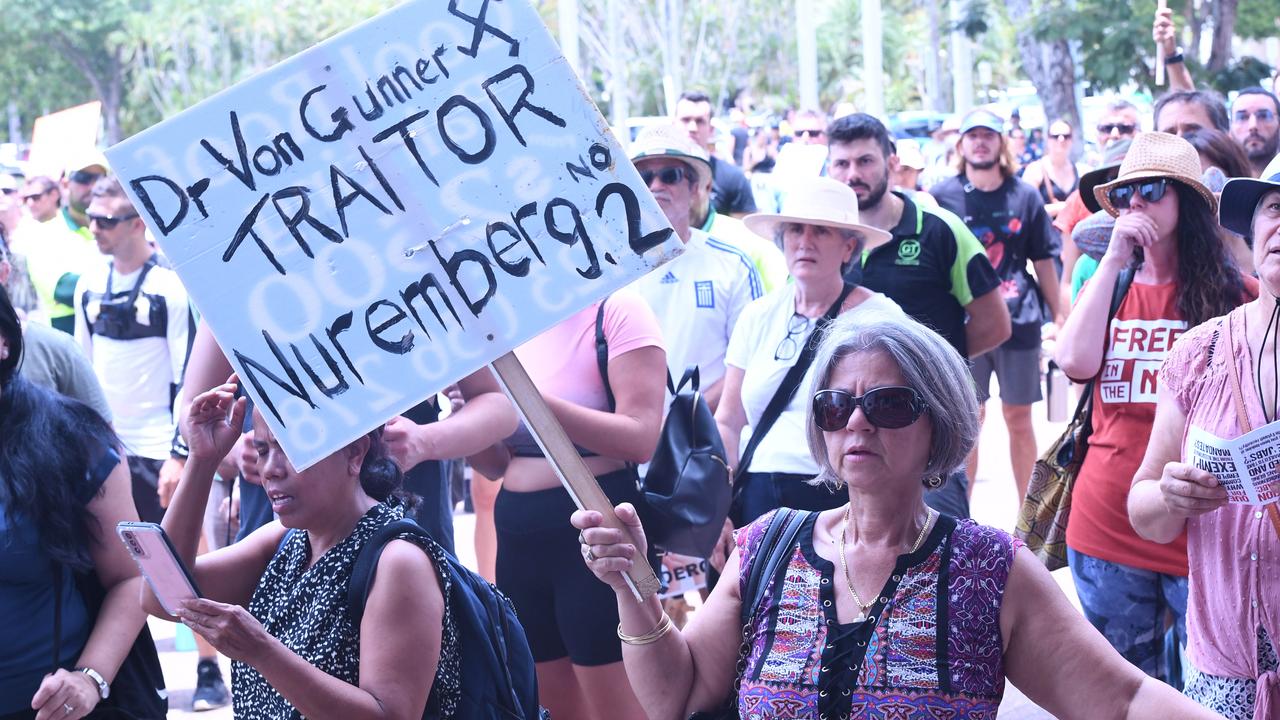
{"points": [[879, 607], [769, 353]]}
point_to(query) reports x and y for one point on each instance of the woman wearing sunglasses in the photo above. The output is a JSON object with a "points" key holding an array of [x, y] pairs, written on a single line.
{"points": [[819, 233], [1216, 373], [879, 607], [1165, 224], [1055, 175]]}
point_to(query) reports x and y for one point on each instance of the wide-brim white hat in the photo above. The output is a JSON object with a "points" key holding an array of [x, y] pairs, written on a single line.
{"points": [[815, 201], [1240, 198]]}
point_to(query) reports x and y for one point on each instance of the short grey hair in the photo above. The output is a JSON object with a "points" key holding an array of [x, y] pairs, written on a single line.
{"points": [[930, 366]]}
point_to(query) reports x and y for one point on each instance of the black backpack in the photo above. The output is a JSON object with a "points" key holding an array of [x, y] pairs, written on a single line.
{"points": [[497, 672]]}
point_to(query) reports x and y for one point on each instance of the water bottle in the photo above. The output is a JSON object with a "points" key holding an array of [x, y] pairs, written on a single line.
{"points": [[1056, 389]]}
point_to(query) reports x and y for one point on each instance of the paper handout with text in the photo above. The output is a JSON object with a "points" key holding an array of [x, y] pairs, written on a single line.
{"points": [[1247, 466]]}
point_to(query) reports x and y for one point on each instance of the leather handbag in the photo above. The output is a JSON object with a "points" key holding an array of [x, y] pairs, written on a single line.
{"points": [[1042, 521], [685, 493], [686, 487]]}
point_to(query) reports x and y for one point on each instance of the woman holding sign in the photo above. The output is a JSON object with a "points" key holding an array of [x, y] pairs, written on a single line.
{"points": [[1165, 224], [568, 616], [1220, 380]]}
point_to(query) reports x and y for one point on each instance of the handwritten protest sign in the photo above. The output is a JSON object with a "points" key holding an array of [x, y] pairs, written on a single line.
{"points": [[63, 138], [1248, 467], [391, 210]]}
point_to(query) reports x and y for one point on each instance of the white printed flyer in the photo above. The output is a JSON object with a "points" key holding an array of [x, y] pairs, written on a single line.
{"points": [[1247, 466]]}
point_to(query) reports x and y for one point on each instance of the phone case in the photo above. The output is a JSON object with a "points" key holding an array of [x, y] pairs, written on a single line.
{"points": [[156, 557]]}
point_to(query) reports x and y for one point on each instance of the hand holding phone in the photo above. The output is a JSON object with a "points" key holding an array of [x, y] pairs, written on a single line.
{"points": [[169, 578]]}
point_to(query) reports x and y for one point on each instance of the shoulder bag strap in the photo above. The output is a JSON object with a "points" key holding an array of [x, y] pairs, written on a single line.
{"points": [[1237, 396], [788, 387], [366, 565], [602, 353], [1085, 406]]}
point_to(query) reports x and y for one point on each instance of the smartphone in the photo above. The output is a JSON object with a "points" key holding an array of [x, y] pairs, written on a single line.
{"points": [[165, 572]]}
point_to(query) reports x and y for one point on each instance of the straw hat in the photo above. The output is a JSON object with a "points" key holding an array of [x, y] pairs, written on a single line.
{"points": [[1158, 155], [815, 200], [1240, 198], [671, 141]]}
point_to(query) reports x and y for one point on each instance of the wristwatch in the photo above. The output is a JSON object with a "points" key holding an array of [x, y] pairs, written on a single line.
{"points": [[104, 690], [1175, 58]]}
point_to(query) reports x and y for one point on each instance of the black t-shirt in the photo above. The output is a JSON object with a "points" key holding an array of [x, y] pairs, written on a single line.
{"points": [[429, 480], [730, 189], [1012, 225], [932, 267]]}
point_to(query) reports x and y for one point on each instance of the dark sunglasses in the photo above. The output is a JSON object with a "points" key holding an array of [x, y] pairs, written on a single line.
{"points": [[666, 176], [1061, 136], [810, 133], [84, 178], [107, 222], [1122, 128], [890, 407], [1150, 190]]}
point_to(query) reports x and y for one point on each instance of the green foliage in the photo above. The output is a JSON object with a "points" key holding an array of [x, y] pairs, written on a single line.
{"points": [[1258, 19], [1115, 39]]}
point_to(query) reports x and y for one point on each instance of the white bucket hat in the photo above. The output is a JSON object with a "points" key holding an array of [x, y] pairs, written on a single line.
{"points": [[671, 141], [815, 201]]}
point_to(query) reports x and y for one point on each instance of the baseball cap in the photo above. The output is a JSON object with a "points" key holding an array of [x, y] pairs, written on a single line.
{"points": [[981, 118]]}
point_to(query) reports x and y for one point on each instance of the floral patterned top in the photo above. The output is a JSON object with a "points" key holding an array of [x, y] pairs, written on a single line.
{"points": [[306, 609], [931, 647]]}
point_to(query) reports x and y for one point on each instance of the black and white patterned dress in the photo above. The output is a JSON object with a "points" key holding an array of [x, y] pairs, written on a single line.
{"points": [[306, 609]]}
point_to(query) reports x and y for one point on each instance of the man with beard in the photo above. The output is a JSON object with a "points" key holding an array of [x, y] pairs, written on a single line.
{"points": [[932, 266], [1255, 125], [1008, 217]]}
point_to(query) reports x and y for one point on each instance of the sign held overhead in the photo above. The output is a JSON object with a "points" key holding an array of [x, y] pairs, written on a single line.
{"points": [[388, 211]]}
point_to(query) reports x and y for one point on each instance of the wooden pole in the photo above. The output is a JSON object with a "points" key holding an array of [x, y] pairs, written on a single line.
{"points": [[562, 455], [1160, 52]]}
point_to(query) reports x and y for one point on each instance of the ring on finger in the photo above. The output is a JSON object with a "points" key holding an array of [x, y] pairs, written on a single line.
{"points": [[591, 556], [67, 708], [582, 539]]}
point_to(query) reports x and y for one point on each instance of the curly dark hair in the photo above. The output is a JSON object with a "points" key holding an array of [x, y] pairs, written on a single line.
{"points": [[1209, 281]]}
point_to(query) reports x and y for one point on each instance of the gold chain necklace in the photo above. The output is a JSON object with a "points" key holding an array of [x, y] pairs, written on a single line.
{"points": [[844, 563]]}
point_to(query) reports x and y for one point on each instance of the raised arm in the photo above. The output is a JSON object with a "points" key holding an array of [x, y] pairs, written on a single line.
{"points": [[682, 671], [1065, 666]]}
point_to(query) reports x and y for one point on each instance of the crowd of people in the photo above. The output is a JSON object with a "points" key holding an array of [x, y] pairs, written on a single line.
{"points": [[846, 320]]}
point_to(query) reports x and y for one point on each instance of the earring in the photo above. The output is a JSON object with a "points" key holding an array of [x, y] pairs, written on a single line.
{"points": [[933, 482]]}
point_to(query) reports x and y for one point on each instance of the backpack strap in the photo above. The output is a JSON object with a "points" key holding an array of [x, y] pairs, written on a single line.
{"points": [[366, 567], [772, 555], [602, 353]]}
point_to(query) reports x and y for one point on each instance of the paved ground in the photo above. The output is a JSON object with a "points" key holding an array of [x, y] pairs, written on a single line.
{"points": [[993, 504]]}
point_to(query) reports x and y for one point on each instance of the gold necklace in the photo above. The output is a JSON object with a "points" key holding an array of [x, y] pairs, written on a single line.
{"points": [[844, 563]]}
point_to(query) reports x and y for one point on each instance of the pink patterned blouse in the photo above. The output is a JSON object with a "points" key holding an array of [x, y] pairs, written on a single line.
{"points": [[932, 647], [1234, 552]]}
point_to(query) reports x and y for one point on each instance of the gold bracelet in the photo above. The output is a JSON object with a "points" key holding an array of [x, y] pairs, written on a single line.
{"points": [[664, 626]]}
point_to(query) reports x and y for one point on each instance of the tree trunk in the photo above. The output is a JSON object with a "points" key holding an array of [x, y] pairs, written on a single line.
{"points": [[934, 95], [1050, 66], [1224, 26], [1195, 23]]}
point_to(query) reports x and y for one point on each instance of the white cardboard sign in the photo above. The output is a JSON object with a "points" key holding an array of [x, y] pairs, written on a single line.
{"points": [[388, 211]]}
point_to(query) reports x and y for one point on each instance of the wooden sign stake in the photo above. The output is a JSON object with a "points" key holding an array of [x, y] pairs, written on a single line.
{"points": [[564, 458], [1160, 53]]}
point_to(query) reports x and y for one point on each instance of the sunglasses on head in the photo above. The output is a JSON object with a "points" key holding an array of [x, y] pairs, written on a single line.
{"points": [[107, 222], [890, 407], [666, 176], [1150, 190], [1122, 128]]}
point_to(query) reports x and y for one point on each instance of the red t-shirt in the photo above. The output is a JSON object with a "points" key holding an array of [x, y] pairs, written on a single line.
{"points": [[1124, 408]]}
